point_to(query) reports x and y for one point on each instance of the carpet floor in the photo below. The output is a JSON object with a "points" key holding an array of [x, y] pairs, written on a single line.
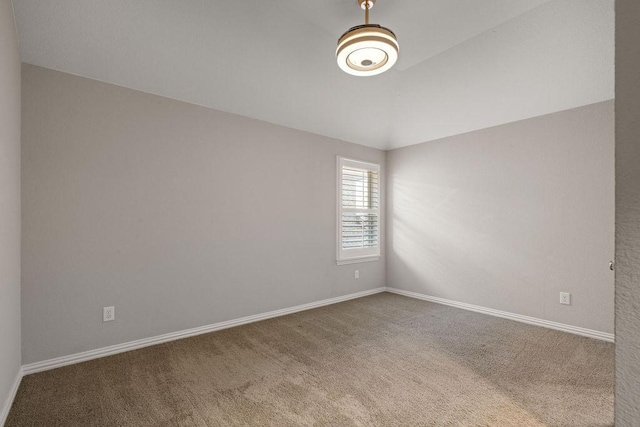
{"points": [[374, 361]]}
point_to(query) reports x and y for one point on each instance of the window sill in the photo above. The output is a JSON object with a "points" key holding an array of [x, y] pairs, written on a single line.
{"points": [[358, 260]]}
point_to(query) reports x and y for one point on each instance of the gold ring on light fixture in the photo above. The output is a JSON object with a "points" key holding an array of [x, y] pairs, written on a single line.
{"points": [[369, 49]]}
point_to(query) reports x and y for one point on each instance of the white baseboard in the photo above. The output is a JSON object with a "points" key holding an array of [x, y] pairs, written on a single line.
{"points": [[58, 362], [4, 411], [146, 342], [604, 336]]}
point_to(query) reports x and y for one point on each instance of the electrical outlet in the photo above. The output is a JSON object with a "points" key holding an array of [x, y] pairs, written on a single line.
{"points": [[357, 274], [565, 298], [108, 314]]}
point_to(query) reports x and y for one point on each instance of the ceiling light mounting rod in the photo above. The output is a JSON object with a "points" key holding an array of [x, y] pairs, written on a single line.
{"points": [[366, 12], [369, 49]]}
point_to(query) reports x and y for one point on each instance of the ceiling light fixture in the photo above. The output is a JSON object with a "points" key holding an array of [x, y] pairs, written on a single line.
{"points": [[369, 49]]}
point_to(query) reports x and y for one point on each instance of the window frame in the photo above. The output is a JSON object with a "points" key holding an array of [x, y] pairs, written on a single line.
{"points": [[352, 256]]}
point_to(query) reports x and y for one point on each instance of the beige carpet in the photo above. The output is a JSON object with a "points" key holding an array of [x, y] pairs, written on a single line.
{"points": [[379, 360]]}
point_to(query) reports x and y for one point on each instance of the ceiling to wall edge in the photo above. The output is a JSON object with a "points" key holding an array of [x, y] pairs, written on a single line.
{"points": [[302, 130]]}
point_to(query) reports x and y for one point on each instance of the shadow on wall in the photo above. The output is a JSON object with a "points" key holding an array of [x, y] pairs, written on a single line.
{"points": [[509, 217], [440, 249]]}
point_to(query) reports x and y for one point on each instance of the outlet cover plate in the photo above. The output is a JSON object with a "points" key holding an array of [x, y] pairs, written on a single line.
{"points": [[565, 298], [108, 314]]}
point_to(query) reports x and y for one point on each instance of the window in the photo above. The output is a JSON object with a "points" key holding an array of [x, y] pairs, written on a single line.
{"points": [[358, 211]]}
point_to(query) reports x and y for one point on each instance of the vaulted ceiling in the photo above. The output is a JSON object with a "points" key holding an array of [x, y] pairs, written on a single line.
{"points": [[464, 64]]}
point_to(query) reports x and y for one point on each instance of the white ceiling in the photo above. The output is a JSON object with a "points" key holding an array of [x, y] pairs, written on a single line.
{"points": [[464, 64]]}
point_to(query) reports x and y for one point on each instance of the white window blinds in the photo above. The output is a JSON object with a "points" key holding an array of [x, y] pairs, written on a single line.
{"points": [[358, 210]]}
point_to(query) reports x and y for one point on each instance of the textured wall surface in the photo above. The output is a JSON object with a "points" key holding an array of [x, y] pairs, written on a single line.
{"points": [[9, 202], [509, 217], [178, 215], [627, 213]]}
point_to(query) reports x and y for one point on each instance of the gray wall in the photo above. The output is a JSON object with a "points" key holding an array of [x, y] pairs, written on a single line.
{"points": [[627, 213], [510, 216], [178, 215], [9, 202]]}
